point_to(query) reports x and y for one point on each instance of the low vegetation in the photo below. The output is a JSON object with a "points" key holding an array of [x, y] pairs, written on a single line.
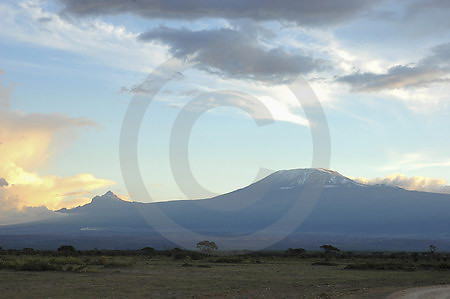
{"points": [[38, 262], [181, 273], [67, 258]]}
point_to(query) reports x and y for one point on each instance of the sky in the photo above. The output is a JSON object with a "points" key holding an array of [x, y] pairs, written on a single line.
{"points": [[69, 69]]}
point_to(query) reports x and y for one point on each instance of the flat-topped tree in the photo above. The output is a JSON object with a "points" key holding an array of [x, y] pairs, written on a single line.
{"points": [[207, 246], [329, 248]]}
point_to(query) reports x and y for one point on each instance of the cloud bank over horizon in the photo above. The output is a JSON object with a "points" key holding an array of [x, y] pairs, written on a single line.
{"points": [[413, 183], [27, 143]]}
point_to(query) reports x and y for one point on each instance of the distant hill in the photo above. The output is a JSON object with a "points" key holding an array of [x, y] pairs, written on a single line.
{"points": [[348, 214]]}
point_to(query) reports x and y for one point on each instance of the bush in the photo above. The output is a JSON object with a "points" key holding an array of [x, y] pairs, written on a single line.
{"points": [[29, 265], [179, 256], [295, 251], [38, 265], [228, 260], [66, 261], [28, 250], [148, 251], [204, 266], [382, 266], [108, 262], [117, 264], [444, 266], [195, 256], [324, 263], [67, 250]]}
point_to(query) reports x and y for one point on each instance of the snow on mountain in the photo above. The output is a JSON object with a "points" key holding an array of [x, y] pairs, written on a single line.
{"points": [[288, 179]]}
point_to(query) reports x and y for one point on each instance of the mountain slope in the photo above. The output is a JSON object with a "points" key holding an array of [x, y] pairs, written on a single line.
{"points": [[346, 210]]}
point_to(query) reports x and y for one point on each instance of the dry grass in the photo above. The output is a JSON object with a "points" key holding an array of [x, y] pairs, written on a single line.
{"points": [[159, 276]]}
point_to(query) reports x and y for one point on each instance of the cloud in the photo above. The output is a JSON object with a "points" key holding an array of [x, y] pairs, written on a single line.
{"points": [[429, 17], [420, 6], [27, 142], [112, 45], [301, 12], [417, 183], [4, 94], [434, 68], [3, 182], [27, 214], [234, 53], [263, 110]]}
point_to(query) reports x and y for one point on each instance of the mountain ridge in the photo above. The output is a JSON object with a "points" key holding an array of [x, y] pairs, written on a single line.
{"points": [[295, 176], [346, 212]]}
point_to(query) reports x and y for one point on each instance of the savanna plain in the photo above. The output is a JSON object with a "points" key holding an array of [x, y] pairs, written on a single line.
{"points": [[179, 273]]}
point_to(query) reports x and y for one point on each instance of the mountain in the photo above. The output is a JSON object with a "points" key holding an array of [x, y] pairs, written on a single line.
{"points": [[348, 214]]}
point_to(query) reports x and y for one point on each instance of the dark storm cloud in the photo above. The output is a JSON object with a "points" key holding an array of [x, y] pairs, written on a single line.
{"points": [[433, 69], [233, 53], [422, 6], [302, 12]]}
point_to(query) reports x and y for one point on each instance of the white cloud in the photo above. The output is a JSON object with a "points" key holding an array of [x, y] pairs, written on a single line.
{"points": [[422, 85], [113, 45], [417, 183]]}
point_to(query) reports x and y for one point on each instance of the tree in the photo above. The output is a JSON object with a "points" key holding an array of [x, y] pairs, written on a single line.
{"points": [[295, 251], [66, 249], [329, 248], [28, 250], [148, 250], [207, 246], [432, 249]]}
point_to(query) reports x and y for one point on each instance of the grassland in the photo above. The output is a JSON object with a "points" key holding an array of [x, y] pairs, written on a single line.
{"points": [[180, 274]]}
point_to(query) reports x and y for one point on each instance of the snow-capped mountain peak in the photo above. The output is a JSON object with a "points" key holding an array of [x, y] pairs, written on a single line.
{"points": [[288, 179]]}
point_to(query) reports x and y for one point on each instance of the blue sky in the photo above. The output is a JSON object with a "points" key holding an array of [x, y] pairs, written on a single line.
{"points": [[379, 68]]}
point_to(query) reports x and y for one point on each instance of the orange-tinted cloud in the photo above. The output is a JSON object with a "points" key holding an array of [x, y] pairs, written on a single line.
{"points": [[27, 142]]}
